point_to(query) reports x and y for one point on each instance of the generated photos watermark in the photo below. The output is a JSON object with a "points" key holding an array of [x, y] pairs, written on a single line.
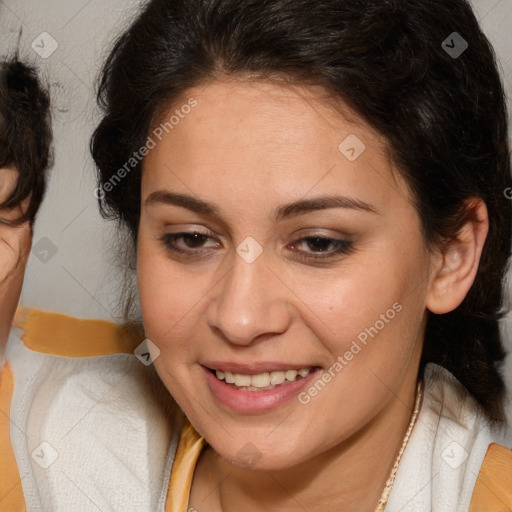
{"points": [[343, 360], [138, 156]]}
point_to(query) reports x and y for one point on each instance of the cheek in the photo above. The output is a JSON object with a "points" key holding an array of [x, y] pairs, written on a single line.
{"points": [[14, 249], [378, 303], [347, 297], [156, 294], [168, 296], [15, 246]]}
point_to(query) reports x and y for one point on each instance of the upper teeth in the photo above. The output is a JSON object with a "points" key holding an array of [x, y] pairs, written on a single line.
{"points": [[261, 380]]}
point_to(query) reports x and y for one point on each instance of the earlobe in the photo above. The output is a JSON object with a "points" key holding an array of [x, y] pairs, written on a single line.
{"points": [[457, 262]]}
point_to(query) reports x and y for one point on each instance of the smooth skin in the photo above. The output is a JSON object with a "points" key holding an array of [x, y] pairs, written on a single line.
{"points": [[248, 148], [15, 243]]}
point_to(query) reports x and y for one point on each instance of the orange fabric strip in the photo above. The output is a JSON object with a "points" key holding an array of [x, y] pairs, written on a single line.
{"points": [[493, 489], [54, 333], [11, 491], [187, 455]]}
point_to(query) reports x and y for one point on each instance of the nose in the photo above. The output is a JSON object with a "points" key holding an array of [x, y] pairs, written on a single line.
{"points": [[250, 304]]}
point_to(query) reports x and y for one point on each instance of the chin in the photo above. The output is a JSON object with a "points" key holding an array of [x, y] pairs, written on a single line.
{"points": [[251, 458], [259, 453]]}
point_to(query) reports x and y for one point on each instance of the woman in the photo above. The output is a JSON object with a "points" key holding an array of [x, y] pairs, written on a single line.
{"points": [[315, 193]]}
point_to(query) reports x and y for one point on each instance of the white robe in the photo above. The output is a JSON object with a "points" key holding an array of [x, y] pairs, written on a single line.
{"points": [[105, 439]]}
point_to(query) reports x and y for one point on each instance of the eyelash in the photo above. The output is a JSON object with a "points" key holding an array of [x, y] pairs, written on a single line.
{"points": [[341, 246]]}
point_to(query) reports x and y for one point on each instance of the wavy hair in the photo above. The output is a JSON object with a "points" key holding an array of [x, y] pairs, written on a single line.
{"points": [[25, 133]]}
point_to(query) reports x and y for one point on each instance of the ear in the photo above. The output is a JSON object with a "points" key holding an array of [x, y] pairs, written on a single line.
{"points": [[456, 264]]}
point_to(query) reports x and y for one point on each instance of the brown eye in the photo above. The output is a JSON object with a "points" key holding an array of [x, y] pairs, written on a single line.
{"points": [[190, 242], [318, 247], [193, 240]]}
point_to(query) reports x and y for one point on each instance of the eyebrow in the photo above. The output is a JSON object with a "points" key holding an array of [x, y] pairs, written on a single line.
{"points": [[285, 211]]}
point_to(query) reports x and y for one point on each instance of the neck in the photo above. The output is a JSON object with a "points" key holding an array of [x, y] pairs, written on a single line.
{"points": [[350, 476]]}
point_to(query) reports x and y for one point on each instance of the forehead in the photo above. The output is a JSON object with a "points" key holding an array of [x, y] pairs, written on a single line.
{"points": [[259, 136], [254, 112]]}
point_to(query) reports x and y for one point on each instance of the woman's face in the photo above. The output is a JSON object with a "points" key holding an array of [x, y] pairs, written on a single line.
{"points": [[15, 242], [309, 256]]}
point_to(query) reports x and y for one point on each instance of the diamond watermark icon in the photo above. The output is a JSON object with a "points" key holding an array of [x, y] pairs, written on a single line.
{"points": [[351, 148], [45, 455], [455, 45], [44, 45], [44, 250], [249, 249], [147, 352], [454, 455], [249, 455]]}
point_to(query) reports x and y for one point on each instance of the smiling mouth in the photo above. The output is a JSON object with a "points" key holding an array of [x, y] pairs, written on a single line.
{"points": [[264, 381]]}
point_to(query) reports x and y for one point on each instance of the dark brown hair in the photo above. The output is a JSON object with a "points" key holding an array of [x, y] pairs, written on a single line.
{"points": [[25, 133], [392, 61]]}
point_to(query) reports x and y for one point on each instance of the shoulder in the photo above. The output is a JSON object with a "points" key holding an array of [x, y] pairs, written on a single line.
{"points": [[447, 449], [493, 489], [468, 446], [84, 415]]}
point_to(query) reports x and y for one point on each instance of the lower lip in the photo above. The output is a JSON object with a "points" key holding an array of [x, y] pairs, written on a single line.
{"points": [[256, 401]]}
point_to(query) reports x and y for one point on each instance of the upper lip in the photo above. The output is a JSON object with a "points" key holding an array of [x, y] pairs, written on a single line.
{"points": [[253, 368]]}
